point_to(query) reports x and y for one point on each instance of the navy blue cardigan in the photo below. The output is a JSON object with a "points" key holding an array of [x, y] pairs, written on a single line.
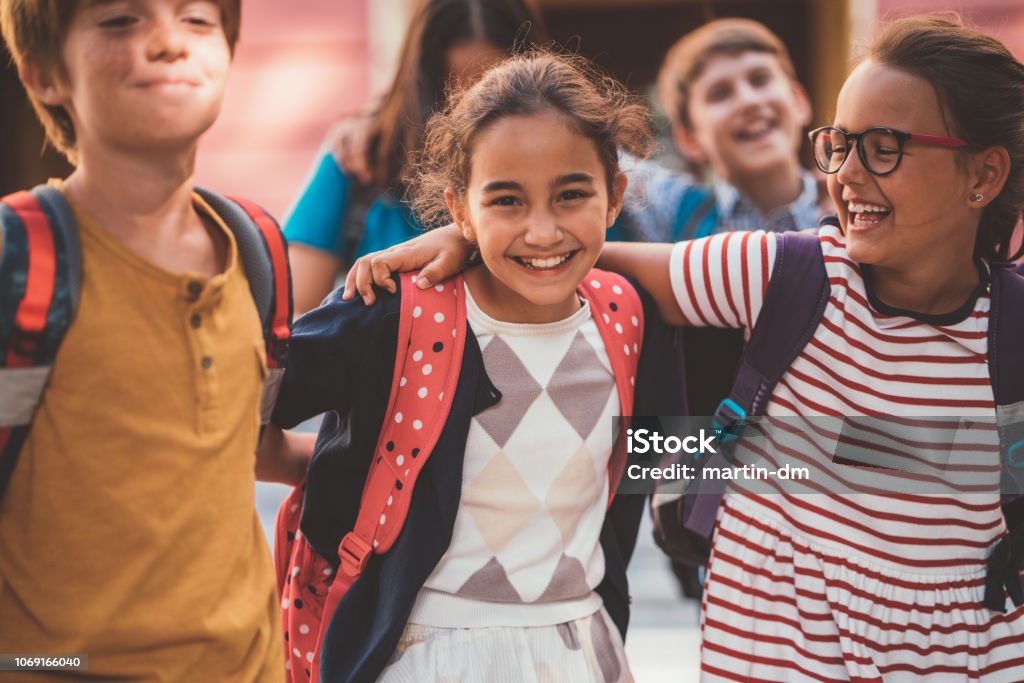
{"points": [[341, 361]]}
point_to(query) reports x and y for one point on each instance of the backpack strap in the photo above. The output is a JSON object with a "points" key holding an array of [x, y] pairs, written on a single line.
{"points": [[793, 305], [619, 316], [696, 215], [40, 277], [1006, 369], [432, 336], [431, 340], [264, 256]]}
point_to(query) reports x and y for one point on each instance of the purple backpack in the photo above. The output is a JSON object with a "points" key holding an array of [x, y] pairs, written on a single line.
{"points": [[793, 305]]}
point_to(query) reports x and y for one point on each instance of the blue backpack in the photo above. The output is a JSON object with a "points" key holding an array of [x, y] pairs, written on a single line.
{"points": [[794, 303], [40, 280], [697, 214]]}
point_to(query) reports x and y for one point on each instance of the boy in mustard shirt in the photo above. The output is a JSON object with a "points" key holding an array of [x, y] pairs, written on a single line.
{"points": [[128, 531]]}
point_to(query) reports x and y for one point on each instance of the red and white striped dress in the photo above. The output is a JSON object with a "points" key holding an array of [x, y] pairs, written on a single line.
{"points": [[857, 586]]}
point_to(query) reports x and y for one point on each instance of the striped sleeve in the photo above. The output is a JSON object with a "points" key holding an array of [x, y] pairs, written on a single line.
{"points": [[720, 281]]}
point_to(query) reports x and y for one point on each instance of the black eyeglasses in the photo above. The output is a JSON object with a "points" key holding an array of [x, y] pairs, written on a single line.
{"points": [[879, 149]]}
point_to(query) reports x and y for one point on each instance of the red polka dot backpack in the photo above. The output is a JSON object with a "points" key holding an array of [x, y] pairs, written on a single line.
{"points": [[416, 415]]}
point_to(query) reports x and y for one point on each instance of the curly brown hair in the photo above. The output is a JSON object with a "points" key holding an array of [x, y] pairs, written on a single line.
{"points": [[593, 103]]}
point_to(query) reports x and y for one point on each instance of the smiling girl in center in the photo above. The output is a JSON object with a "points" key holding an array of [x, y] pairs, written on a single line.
{"points": [[511, 562]]}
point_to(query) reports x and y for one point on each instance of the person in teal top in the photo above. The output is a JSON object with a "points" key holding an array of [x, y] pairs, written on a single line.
{"points": [[369, 219], [341, 215]]}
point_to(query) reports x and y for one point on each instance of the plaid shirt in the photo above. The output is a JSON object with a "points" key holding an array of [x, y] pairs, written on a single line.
{"points": [[655, 194]]}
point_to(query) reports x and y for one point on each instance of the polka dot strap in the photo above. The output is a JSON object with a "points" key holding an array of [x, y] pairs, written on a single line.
{"points": [[422, 390], [619, 316], [431, 339], [431, 333]]}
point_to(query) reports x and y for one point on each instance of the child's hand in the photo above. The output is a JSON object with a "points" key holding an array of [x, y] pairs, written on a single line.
{"points": [[439, 254], [349, 142]]}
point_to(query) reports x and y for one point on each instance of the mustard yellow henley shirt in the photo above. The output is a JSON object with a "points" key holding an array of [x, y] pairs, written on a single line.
{"points": [[128, 531]]}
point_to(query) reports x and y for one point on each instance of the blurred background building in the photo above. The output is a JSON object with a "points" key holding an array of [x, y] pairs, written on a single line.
{"points": [[303, 63]]}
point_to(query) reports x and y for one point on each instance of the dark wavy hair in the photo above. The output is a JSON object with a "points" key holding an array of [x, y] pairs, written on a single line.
{"points": [[591, 102], [981, 88]]}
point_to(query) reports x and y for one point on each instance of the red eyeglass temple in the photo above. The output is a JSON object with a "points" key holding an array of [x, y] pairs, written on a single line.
{"points": [[939, 140]]}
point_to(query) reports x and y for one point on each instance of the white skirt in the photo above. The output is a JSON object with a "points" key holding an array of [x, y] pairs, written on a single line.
{"points": [[587, 650]]}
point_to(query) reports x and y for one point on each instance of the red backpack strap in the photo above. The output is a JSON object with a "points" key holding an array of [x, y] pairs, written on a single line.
{"points": [[619, 315], [431, 339], [264, 255], [40, 268], [40, 276]]}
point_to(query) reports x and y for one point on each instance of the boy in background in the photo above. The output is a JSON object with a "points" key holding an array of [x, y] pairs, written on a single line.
{"points": [[738, 117]]}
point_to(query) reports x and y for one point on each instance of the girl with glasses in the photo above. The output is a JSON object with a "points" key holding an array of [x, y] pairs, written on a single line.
{"points": [[925, 164]]}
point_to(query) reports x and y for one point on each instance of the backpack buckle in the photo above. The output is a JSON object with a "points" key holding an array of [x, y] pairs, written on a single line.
{"points": [[24, 343], [354, 553], [1015, 455], [278, 349], [728, 420]]}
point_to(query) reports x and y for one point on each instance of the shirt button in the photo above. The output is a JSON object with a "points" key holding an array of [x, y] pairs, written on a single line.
{"points": [[195, 288], [196, 320], [206, 362]]}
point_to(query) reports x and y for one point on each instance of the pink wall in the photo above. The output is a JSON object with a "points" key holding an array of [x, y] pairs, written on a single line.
{"points": [[299, 65], [1003, 19]]}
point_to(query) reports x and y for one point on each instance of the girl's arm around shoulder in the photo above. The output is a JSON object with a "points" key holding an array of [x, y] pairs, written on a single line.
{"points": [[647, 264], [438, 254], [716, 281]]}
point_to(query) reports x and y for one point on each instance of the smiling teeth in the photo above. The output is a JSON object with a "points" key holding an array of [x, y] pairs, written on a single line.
{"points": [[545, 263], [756, 130], [854, 207]]}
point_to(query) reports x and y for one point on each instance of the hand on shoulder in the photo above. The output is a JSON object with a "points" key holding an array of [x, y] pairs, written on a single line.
{"points": [[438, 255], [349, 144]]}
